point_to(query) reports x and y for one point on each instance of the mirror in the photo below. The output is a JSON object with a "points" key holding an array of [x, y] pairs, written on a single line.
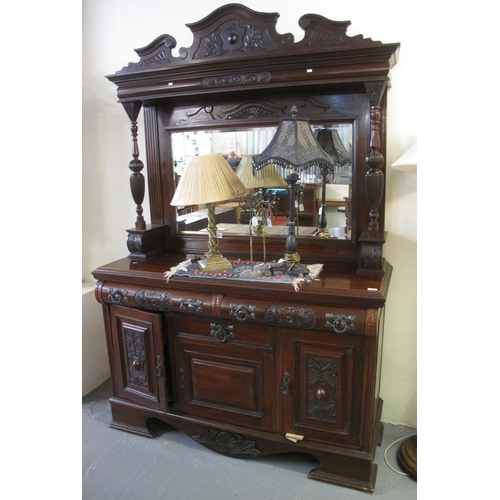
{"points": [[232, 218]]}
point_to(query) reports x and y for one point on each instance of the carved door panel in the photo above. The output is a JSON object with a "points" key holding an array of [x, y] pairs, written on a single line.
{"points": [[226, 375], [139, 360], [322, 386]]}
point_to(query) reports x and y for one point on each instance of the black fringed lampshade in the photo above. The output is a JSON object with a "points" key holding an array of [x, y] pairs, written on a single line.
{"points": [[293, 147]]}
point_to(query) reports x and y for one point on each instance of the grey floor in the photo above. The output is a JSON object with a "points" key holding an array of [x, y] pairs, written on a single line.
{"points": [[120, 465]]}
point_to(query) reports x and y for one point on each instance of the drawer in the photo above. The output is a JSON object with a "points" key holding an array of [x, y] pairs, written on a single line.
{"points": [[222, 331]]}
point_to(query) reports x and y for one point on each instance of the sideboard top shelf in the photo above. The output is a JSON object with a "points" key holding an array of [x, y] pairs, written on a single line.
{"points": [[369, 290]]}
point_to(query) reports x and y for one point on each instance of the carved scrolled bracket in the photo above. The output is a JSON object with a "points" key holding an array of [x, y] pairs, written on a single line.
{"points": [[203, 114], [291, 317], [242, 312], [191, 305], [375, 91], [117, 295], [340, 323], [371, 253], [221, 333], [226, 442], [153, 300]]}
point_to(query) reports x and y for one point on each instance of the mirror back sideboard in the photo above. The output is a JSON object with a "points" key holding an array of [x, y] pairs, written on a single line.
{"points": [[251, 369]]}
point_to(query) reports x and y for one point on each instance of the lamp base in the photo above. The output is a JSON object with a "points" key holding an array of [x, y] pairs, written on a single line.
{"points": [[322, 233], [214, 262], [407, 456]]}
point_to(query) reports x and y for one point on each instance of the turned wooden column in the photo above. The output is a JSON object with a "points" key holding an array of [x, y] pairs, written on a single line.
{"points": [[375, 179], [137, 184], [372, 241], [144, 240]]}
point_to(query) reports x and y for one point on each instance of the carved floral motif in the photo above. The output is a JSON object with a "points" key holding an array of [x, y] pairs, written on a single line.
{"points": [[293, 317], [136, 357], [322, 388], [226, 442]]}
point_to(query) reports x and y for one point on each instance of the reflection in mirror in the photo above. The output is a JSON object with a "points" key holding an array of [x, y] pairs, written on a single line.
{"points": [[315, 202]]}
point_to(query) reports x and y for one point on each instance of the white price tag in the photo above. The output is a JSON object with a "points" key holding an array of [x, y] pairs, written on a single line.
{"points": [[301, 207], [255, 221]]}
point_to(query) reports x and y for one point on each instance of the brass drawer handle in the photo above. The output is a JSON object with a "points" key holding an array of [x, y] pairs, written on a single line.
{"points": [[221, 333], [340, 323]]}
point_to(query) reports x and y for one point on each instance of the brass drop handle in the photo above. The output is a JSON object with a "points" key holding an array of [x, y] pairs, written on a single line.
{"points": [[221, 333], [285, 386]]}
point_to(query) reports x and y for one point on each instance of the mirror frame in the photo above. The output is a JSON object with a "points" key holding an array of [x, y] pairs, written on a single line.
{"points": [[240, 71]]}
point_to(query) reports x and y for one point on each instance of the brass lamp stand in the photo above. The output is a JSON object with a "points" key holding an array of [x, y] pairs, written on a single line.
{"points": [[207, 180]]}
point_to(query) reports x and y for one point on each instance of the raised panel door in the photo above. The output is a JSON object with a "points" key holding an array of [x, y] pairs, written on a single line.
{"points": [[139, 359], [322, 386], [224, 378]]}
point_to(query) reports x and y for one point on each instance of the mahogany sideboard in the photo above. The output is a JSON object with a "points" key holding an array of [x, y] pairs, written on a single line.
{"points": [[238, 366], [250, 369]]}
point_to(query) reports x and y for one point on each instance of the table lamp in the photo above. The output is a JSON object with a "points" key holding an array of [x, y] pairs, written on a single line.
{"points": [[256, 199], [293, 148], [331, 143], [207, 180]]}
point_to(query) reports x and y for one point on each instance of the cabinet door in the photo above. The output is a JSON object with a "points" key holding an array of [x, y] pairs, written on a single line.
{"points": [[138, 356], [224, 372], [322, 386]]}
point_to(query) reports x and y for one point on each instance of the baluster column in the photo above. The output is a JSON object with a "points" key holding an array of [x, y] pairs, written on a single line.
{"points": [[137, 183]]}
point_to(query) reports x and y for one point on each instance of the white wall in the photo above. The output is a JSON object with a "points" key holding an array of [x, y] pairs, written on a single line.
{"points": [[112, 29]]}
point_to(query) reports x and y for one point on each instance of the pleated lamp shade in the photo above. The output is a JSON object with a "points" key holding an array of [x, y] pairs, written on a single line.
{"points": [[207, 179], [267, 178]]}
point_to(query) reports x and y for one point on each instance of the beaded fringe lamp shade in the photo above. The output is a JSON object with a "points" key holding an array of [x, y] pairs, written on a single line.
{"points": [[207, 180], [294, 148]]}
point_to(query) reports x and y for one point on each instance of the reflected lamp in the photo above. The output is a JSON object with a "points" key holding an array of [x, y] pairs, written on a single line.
{"points": [[256, 199], [295, 149], [208, 179], [331, 143]]}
